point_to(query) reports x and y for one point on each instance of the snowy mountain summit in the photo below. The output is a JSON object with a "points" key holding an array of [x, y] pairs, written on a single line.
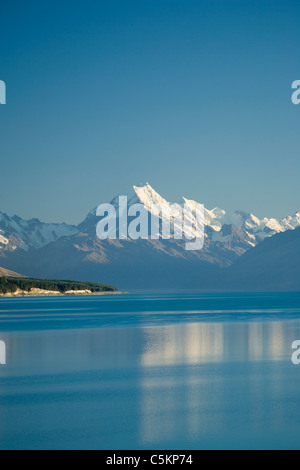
{"points": [[227, 234], [218, 222]]}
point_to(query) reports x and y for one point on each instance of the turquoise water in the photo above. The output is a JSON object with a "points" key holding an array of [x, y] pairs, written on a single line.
{"points": [[178, 371]]}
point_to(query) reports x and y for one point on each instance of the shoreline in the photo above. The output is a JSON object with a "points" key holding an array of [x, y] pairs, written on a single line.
{"points": [[44, 293]]}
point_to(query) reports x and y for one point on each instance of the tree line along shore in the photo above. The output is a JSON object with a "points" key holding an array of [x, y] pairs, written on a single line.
{"points": [[11, 286]]}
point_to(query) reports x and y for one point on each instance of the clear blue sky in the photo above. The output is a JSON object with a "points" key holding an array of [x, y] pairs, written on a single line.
{"points": [[192, 96]]}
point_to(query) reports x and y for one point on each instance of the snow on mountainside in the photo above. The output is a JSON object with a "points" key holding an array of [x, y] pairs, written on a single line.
{"points": [[65, 252], [254, 229], [227, 234], [261, 229], [16, 232]]}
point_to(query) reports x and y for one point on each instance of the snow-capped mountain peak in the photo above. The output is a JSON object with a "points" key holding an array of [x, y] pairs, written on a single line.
{"points": [[234, 232], [148, 196], [216, 219]]}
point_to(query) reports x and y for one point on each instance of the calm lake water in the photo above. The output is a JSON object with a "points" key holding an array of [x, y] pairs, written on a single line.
{"points": [[150, 372]]}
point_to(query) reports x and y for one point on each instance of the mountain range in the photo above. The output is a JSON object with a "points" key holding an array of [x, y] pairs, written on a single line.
{"points": [[232, 257]]}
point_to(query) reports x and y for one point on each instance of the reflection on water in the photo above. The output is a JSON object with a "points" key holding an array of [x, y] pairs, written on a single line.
{"points": [[203, 343], [236, 392], [40, 352], [184, 385], [186, 344]]}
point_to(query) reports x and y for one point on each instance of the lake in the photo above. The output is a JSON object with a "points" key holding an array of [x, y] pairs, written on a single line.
{"points": [[176, 371]]}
